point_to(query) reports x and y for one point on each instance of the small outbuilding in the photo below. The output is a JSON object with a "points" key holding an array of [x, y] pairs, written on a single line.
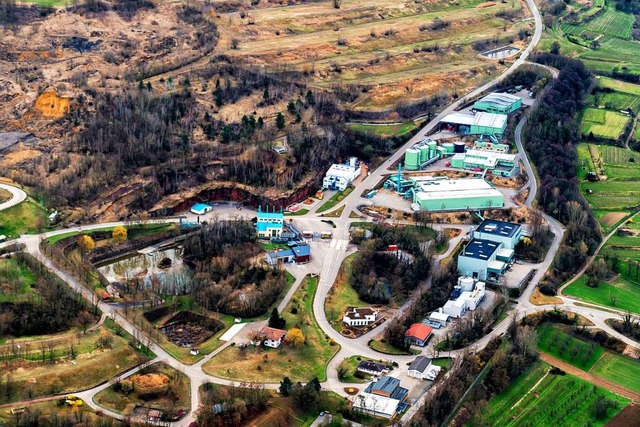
{"points": [[439, 317], [201, 208], [422, 368]]}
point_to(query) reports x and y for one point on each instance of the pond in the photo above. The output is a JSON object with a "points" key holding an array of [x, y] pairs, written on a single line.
{"points": [[145, 270]]}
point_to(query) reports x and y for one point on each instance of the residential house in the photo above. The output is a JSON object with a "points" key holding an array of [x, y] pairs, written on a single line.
{"points": [[372, 368], [418, 334], [272, 337], [355, 316]]}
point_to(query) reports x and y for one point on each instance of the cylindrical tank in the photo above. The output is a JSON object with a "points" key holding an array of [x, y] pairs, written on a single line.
{"points": [[441, 151], [448, 147], [424, 153], [353, 161], [458, 147], [432, 148], [412, 159], [466, 283]]}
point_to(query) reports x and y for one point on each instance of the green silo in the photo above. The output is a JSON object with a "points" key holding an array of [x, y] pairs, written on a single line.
{"points": [[412, 159], [424, 153], [432, 149]]}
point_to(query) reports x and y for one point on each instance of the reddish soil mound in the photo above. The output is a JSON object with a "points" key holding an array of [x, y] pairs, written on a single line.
{"points": [[49, 104]]}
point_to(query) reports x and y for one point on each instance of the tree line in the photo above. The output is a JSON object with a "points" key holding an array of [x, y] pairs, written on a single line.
{"points": [[551, 135]]}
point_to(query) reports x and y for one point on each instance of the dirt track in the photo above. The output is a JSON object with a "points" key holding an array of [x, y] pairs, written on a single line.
{"points": [[622, 391]]}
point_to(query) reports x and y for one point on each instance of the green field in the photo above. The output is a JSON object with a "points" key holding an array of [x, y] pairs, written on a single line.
{"points": [[539, 398], [619, 86], [612, 22], [620, 370], [589, 356], [27, 217], [342, 295], [16, 281], [621, 190], [603, 123], [556, 342], [611, 30], [623, 292], [384, 130]]}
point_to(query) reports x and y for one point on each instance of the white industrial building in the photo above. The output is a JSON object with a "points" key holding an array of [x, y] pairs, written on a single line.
{"points": [[374, 404], [455, 194], [423, 369], [465, 296], [339, 176], [440, 317]]}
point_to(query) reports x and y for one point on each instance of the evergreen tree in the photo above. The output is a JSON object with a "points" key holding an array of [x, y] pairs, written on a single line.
{"points": [[275, 321], [280, 121], [285, 386]]}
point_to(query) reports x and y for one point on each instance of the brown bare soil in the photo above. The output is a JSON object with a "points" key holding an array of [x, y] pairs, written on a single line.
{"points": [[629, 416], [612, 218], [538, 298], [49, 104], [150, 380], [16, 157], [601, 382]]}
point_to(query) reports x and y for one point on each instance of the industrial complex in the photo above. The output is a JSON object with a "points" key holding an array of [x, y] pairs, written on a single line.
{"points": [[455, 194], [339, 176], [498, 103], [479, 123], [490, 249]]}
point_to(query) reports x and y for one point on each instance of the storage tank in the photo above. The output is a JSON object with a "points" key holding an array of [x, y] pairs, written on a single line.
{"points": [[466, 283], [424, 153], [458, 147], [448, 147], [412, 159], [353, 161], [432, 149], [441, 151]]}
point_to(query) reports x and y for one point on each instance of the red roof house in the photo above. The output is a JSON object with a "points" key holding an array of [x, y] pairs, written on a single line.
{"points": [[418, 334]]}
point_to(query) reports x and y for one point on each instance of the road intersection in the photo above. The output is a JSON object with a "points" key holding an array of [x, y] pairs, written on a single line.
{"points": [[338, 249]]}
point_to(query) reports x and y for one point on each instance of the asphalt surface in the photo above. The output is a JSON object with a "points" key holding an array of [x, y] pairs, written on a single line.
{"points": [[17, 196], [338, 249]]}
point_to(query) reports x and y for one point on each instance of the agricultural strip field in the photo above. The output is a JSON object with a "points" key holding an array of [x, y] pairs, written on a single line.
{"points": [[612, 30], [377, 44], [603, 123], [619, 86], [612, 22], [271, 365], [556, 341], [620, 191], [539, 398]]}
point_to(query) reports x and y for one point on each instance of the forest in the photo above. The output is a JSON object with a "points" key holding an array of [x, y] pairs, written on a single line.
{"points": [[52, 308], [551, 135], [229, 273], [379, 276]]}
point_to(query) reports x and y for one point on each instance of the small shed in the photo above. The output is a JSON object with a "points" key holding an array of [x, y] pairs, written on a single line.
{"points": [[439, 317], [201, 208]]}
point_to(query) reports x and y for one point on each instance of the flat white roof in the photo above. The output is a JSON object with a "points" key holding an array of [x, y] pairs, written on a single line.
{"points": [[455, 189], [375, 403], [496, 265], [232, 331], [439, 316], [342, 171], [480, 118], [505, 253], [491, 155], [490, 120]]}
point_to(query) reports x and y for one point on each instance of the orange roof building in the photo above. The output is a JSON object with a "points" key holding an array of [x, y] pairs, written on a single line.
{"points": [[418, 334]]}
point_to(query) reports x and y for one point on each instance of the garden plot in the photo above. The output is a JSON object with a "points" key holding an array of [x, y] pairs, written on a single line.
{"points": [[603, 123], [539, 398], [188, 329]]}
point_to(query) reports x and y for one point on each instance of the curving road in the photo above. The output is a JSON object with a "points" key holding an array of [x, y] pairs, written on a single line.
{"points": [[17, 196], [338, 249]]}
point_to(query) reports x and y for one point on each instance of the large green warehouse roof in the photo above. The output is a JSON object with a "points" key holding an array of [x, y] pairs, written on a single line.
{"points": [[497, 102]]}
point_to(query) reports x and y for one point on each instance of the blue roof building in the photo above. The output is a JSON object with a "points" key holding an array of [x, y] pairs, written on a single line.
{"points": [[388, 387], [507, 233], [201, 208], [269, 224]]}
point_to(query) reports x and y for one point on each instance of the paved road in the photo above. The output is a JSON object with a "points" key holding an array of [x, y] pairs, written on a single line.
{"points": [[339, 247], [17, 196]]}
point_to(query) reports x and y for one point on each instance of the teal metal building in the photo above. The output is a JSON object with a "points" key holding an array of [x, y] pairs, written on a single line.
{"points": [[498, 103]]}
